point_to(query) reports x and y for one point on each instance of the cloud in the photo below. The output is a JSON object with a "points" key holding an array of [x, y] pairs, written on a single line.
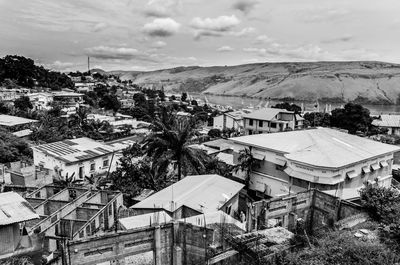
{"points": [[118, 53], [158, 44], [345, 38], [323, 14], [218, 24], [262, 39], [225, 49], [59, 66], [99, 26], [245, 5], [217, 27], [161, 27], [161, 8]]}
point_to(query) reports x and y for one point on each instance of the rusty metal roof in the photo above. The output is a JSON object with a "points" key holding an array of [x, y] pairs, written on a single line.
{"points": [[15, 209]]}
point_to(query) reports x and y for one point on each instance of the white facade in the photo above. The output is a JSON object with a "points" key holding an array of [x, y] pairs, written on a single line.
{"points": [[228, 121], [41, 101]]}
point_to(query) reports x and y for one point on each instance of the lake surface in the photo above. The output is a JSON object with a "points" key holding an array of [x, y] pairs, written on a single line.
{"points": [[242, 102]]}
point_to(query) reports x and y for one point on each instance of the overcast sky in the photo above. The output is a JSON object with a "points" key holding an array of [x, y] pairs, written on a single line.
{"points": [[155, 34]]}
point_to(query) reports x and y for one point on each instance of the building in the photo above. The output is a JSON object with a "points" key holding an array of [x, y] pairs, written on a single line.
{"points": [[77, 157], [390, 122], [268, 120], [41, 100], [10, 95], [69, 101], [194, 195], [229, 120], [14, 212], [73, 213], [320, 158], [17, 125]]}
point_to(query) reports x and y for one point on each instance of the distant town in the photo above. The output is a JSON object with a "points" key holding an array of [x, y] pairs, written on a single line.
{"points": [[99, 170]]}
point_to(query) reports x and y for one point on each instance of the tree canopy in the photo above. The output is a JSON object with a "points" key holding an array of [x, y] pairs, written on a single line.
{"points": [[353, 118]]}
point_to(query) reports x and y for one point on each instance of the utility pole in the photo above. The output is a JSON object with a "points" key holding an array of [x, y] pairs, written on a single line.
{"points": [[88, 64]]}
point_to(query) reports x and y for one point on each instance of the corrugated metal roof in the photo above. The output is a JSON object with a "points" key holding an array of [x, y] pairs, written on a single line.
{"points": [[15, 209], [202, 193], [75, 150], [265, 114], [387, 120], [321, 147], [8, 120], [144, 220]]}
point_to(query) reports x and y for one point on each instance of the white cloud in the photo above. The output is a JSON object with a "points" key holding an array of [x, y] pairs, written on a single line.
{"points": [[218, 24], [117, 53], [243, 32], [225, 49], [263, 39], [59, 66], [158, 44], [323, 14], [245, 5], [162, 8], [99, 26], [161, 27]]}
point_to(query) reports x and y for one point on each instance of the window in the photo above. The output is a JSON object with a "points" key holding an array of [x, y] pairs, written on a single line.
{"points": [[105, 163], [92, 166], [228, 209], [250, 132], [260, 123], [251, 122], [273, 125]]}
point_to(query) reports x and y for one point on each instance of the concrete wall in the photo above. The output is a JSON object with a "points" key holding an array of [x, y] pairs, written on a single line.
{"points": [[173, 243], [317, 208]]}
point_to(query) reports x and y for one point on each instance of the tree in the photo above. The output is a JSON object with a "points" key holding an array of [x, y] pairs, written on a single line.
{"points": [[4, 109], [110, 102], [184, 96], [170, 140], [172, 98], [247, 163], [23, 103], [315, 119], [287, 106], [353, 118], [13, 148], [214, 133], [194, 102]]}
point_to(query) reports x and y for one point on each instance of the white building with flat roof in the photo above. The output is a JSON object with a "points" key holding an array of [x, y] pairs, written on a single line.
{"points": [[320, 158]]}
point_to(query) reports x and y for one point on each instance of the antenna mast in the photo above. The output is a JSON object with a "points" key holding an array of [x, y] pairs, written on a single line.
{"points": [[88, 64]]}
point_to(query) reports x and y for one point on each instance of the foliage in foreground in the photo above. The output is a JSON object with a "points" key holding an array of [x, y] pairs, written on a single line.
{"points": [[13, 148], [342, 248]]}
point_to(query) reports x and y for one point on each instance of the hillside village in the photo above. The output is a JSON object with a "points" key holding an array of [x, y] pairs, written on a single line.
{"points": [[99, 170]]}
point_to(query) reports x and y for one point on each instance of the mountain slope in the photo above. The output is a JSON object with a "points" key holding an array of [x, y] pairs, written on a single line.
{"points": [[363, 82]]}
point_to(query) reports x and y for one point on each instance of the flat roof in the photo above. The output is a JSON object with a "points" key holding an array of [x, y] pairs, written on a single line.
{"points": [[203, 193], [8, 120], [266, 114], [15, 209], [144, 220], [74, 150], [321, 147]]}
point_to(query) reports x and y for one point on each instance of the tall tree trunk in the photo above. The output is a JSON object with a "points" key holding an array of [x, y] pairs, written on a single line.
{"points": [[179, 169]]}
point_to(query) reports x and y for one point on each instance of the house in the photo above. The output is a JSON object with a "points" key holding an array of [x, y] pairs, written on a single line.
{"points": [[194, 195], [77, 157], [390, 122], [10, 95], [229, 120], [268, 120], [320, 158], [19, 126], [41, 100], [14, 212], [69, 101]]}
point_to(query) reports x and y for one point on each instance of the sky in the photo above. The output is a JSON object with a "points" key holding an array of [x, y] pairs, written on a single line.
{"points": [[155, 34]]}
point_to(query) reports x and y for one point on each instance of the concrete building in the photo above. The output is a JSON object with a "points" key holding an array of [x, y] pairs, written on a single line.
{"points": [[69, 101], [73, 213], [19, 126], [79, 157], [320, 158], [229, 120], [14, 212], [268, 120], [9, 95], [390, 122], [41, 100], [194, 195]]}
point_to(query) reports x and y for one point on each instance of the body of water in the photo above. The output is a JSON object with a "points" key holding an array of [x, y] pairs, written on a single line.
{"points": [[244, 102]]}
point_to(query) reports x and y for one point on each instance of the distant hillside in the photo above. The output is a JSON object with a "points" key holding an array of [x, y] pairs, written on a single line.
{"points": [[363, 82], [23, 72]]}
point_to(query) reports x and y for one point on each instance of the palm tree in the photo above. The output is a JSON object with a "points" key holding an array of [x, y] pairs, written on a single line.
{"points": [[170, 142], [247, 163]]}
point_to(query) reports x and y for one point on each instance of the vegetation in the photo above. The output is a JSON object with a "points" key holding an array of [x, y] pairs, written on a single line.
{"points": [[247, 163], [288, 106], [13, 148], [353, 118], [23, 72], [341, 248], [315, 119]]}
